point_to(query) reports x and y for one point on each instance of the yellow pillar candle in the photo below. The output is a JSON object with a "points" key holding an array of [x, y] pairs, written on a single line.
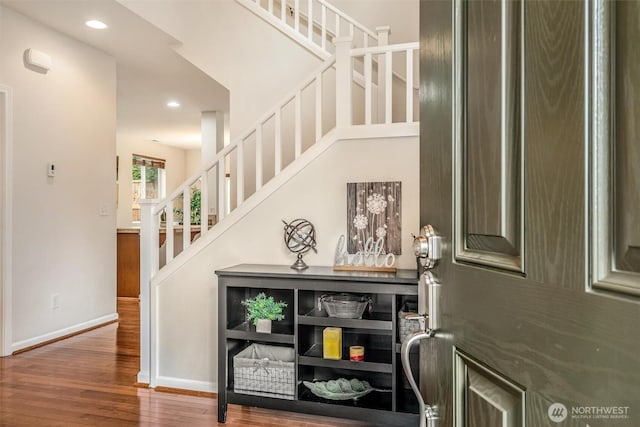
{"points": [[332, 343]]}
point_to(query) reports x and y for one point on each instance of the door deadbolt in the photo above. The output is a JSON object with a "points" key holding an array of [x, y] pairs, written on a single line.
{"points": [[427, 247]]}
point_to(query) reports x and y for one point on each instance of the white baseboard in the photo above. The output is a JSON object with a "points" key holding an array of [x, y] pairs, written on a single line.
{"points": [[183, 384], [143, 377], [63, 332]]}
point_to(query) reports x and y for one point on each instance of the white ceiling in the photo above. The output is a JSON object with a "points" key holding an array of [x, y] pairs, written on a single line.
{"points": [[149, 72]]}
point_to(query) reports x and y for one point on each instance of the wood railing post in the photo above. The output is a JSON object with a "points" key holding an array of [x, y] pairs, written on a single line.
{"points": [[344, 77], [149, 253], [383, 40]]}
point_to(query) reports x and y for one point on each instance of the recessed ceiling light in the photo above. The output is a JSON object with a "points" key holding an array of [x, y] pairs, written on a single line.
{"points": [[173, 104], [96, 25]]}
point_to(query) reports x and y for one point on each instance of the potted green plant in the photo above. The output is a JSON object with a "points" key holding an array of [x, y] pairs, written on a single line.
{"points": [[262, 310]]}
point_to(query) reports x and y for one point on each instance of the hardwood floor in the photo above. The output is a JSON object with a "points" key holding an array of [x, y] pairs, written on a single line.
{"points": [[89, 379]]}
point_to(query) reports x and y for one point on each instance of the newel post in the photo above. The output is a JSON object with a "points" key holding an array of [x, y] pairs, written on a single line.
{"points": [[344, 77], [149, 253], [383, 40]]}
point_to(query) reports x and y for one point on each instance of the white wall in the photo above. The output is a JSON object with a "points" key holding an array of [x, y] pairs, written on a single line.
{"points": [[175, 170], [61, 244], [192, 162], [188, 298], [258, 64]]}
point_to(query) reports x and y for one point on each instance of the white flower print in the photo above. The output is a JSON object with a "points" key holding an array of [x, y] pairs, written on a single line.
{"points": [[360, 222], [381, 232], [376, 204]]}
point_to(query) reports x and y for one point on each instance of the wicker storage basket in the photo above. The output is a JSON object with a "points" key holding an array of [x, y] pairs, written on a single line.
{"points": [[265, 370], [407, 326], [346, 306]]}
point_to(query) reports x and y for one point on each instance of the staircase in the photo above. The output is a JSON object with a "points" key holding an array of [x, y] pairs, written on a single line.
{"points": [[355, 93]]}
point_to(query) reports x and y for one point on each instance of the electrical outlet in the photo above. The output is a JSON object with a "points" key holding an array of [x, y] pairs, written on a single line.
{"points": [[55, 301]]}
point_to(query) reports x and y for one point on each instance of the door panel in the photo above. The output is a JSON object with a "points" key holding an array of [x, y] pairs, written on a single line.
{"points": [[489, 137], [615, 32], [544, 329], [554, 141], [484, 398]]}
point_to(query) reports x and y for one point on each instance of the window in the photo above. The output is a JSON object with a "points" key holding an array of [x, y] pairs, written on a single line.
{"points": [[148, 181]]}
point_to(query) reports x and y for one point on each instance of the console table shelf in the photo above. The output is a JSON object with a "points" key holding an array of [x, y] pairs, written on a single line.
{"points": [[381, 321], [246, 331], [301, 330]]}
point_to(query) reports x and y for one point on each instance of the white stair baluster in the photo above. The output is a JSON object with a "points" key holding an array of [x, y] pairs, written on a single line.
{"points": [[298, 124], [259, 157], [186, 218], [283, 11], [278, 142], [388, 87], [168, 241], [368, 102], [222, 186], [318, 106], [240, 173], [204, 203], [409, 85], [383, 40], [296, 13]]}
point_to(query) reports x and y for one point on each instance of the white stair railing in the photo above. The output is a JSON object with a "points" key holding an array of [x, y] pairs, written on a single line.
{"points": [[259, 140], [313, 23], [227, 175], [383, 57]]}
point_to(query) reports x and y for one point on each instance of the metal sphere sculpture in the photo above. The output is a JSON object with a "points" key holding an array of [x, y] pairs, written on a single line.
{"points": [[300, 238]]}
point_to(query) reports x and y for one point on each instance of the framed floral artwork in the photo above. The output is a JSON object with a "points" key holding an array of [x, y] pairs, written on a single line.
{"points": [[374, 211]]}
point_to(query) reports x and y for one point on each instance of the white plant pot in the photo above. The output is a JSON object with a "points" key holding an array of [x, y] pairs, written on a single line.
{"points": [[263, 326]]}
